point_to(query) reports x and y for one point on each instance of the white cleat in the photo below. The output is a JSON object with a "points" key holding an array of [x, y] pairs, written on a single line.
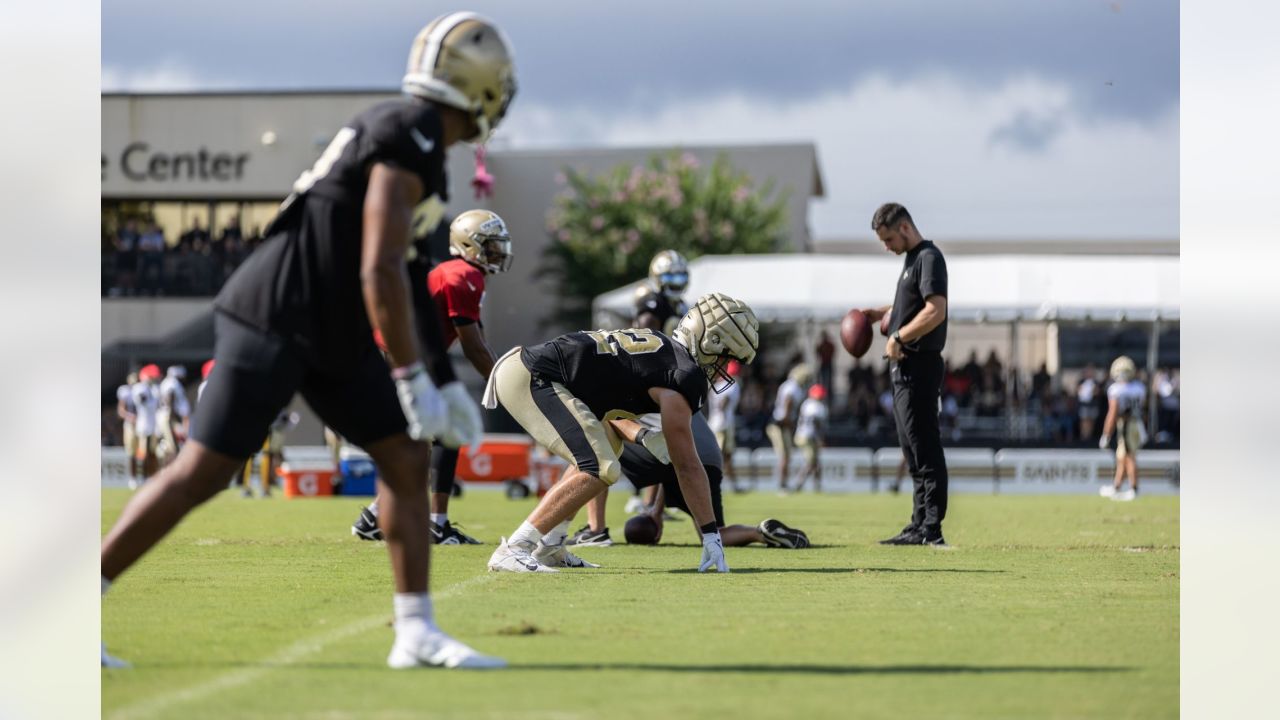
{"points": [[1125, 496], [515, 558], [1106, 491], [436, 649], [554, 556], [634, 505], [110, 661]]}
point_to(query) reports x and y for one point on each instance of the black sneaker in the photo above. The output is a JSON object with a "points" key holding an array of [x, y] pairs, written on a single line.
{"points": [[778, 535], [366, 527], [586, 537], [910, 535], [449, 534], [933, 537]]}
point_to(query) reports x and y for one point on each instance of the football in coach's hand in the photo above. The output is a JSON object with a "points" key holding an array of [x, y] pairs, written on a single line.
{"points": [[884, 322], [641, 530], [855, 333]]}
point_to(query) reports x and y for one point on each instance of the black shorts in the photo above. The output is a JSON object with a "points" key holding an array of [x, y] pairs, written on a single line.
{"points": [[644, 470], [257, 374]]}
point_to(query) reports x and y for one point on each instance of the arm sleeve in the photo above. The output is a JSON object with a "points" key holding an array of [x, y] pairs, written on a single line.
{"points": [[933, 275], [435, 354]]}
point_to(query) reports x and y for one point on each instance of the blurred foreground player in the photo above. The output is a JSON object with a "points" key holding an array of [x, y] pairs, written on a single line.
{"points": [[299, 315], [1125, 398], [564, 393], [481, 245]]}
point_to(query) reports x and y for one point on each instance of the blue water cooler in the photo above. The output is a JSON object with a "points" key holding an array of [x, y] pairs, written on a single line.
{"points": [[359, 475]]}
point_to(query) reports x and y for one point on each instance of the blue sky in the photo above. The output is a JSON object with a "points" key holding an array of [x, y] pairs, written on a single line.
{"points": [[989, 118]]}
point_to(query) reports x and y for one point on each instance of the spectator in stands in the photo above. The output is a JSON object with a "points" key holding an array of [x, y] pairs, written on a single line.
{"points": [[826, 352], [151, 247], [862, 394], [1087, 392], [1040, 384], [972, 369], [1166, 388], [126, 247], [194, 238]]}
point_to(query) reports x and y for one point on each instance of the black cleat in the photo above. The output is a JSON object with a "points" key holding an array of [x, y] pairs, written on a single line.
{"points": [[449, 534], [933, 538], [778, 535], [910, 535], [366, 527], [586, 537]]}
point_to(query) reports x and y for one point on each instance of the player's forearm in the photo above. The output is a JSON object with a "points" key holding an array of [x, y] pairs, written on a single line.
{"points": [[1110, 423], [922, 324], [386, 298], [627, 429], [479, 354], [696, 490]]}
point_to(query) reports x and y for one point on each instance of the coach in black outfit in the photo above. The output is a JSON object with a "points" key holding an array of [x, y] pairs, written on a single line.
{"points": [[917, 333]]}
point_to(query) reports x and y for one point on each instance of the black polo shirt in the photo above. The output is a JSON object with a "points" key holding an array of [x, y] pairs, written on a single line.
{"points": [[924, 273]]}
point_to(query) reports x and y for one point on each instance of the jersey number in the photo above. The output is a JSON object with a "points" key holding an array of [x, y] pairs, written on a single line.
{"points": [[632, 342], [325, 162]]}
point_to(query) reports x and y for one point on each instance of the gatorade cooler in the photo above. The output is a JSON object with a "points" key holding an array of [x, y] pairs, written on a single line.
{"points": [[359, 474], [306, 482], [500, 458]]}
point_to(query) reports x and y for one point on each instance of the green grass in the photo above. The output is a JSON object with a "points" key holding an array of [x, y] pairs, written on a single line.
{"points": [[1046, 607]]}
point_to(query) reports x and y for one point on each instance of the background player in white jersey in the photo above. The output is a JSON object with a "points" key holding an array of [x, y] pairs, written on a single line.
{"points": [[174, 415], [146, 407], [786, 407], [565, 391], [298, 317], [811, 429], [128, 416], [722, 418], [1125, 398]]}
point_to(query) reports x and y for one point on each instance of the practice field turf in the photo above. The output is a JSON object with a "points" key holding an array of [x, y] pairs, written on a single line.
{"points": [[1046, 606]]}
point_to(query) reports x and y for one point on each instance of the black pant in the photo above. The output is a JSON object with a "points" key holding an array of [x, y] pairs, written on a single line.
{"points": [[444, 465], [917, 384]]}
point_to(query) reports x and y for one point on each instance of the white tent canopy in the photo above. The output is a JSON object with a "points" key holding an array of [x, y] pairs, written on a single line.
{"points": [[987, 288]]}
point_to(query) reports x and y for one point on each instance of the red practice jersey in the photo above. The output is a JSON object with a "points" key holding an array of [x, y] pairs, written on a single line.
{"points": [[457, 287]]}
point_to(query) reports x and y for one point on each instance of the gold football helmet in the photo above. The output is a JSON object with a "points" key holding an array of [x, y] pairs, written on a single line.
{"points": [[1123, 369], [464, 61], [480, 237], [669, 273], [718, 329]]}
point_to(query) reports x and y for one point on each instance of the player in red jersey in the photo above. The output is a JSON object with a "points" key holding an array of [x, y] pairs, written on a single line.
{"points": [[481, 246]]}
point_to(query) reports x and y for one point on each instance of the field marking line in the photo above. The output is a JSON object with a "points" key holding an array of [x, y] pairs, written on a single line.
{"points": [[290, 655]]}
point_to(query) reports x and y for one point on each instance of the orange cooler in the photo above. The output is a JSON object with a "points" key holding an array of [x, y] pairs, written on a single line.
{"points": [[306, 482], [500, 458]]}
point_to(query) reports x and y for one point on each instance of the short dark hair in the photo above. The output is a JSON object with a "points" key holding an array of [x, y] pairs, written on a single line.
{"points": [[890, 214]]}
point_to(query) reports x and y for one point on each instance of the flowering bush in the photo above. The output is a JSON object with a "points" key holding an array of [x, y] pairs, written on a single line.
{"points": [[605, 230]]}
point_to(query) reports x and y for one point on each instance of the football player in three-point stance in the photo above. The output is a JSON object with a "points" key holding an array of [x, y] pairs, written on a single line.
{"points": [[566, 391], [659, 306], [298, 316], [481, 245]]}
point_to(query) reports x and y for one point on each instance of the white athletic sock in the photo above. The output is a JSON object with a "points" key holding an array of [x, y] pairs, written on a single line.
{"points": [[526, 534], [557, 534], [106, 584], [440, 518], [414, 611], [373, 507]]}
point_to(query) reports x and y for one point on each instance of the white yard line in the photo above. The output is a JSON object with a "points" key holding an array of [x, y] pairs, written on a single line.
{"points": [[294, 653]]}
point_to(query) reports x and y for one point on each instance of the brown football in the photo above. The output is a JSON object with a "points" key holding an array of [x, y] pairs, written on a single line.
{"points": [[641, 530], [855, 333], [884, 323]]}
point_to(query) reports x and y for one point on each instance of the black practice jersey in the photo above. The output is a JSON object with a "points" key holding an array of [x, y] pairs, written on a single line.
{"points": [[924, 273], [304, 282], [667, 311], [612, 370]]}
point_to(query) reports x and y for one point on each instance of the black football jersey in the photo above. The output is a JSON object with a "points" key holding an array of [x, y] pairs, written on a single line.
{"points": [[667, 312], [304, 282], [612, 370]]}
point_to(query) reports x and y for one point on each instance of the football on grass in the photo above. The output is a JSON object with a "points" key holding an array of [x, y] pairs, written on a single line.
{"points": [[641, 530], [855, 333]]}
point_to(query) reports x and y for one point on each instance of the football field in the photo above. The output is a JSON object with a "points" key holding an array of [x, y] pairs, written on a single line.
{"points": [[1045, 606]]}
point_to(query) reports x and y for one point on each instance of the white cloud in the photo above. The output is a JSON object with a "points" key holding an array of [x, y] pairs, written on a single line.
{"points": [[165, 77], [1016, 159]]}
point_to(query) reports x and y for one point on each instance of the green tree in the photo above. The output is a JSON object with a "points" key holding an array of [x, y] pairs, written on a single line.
{"points": [[605, 229]]}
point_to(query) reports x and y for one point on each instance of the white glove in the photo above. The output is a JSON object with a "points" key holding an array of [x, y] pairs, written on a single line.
{"points": [[465, 425], [656, 443], [1103, 442], [424, 408], [713, 553]]}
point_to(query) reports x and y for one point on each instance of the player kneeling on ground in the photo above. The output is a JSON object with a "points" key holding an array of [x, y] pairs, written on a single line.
{"points": [[646, 464], [565, 391]]}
